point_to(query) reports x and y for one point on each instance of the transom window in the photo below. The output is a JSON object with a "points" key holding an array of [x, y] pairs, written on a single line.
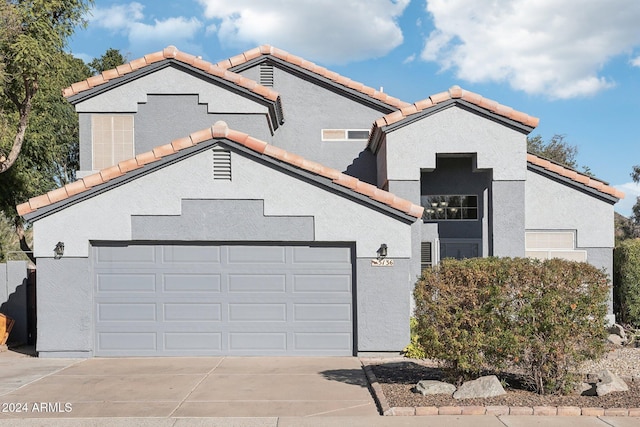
{"points": [[112, 139], [450, 207]]}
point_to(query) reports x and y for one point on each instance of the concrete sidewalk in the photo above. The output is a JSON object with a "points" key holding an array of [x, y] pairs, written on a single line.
{"points": [[193, 387], [216, 391]]}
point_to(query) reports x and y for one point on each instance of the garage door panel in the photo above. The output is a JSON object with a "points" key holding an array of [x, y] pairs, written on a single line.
{"points": [[231, 305], [322, 312], [125, 255], [211, 341], [127, 341], [130, 312], [192, 312], [253, 283], [191, 254], [320, 254], [257, 342], [129, 283], [323, 283], [256, 255], [191, 282], [320, 341]]}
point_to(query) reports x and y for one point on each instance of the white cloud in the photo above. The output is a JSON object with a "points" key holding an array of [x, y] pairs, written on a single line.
{"points": [[329, 31], [117, 17], [632, 192], [129, 20], [538, 46], [636, 61], [409, 59]]}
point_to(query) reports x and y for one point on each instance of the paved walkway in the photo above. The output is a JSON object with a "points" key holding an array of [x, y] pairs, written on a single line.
{"points": [[215, 391]]}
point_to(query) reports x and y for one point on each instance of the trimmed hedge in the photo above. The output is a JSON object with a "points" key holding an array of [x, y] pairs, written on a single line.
{"points": [[626, 280], [485, 313]]}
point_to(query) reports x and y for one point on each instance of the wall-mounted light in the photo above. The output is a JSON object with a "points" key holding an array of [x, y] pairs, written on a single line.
{"points": [[382, 251], [58, 251]]}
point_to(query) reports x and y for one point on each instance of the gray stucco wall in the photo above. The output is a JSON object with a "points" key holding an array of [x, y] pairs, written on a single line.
{"points": [[13, 298], [163, 118], [383, 302], [508, 218], [551, 205], [65, 307], [164, 204], [309, 108]]}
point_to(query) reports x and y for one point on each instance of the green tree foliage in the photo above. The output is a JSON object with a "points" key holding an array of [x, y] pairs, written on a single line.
{"points": [[111, 59], [49, 155], [557, 149], [626, 279], [544, 317], [635, 216], [32, 40]]}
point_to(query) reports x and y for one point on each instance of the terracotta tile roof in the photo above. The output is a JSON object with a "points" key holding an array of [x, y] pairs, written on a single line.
{"points": [[574, 176], [170, 52], [266, 50], [218, 131], [455, 92]]}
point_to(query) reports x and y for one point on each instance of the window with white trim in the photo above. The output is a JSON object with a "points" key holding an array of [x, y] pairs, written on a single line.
{"points": [[111, 139], [345, 134], [553, 244], [449, 207]]}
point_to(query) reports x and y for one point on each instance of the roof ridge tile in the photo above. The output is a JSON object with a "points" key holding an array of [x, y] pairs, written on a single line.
{"points": [[574, 175], [314, 68], [456, 92], [218, 131], [171, 52]]}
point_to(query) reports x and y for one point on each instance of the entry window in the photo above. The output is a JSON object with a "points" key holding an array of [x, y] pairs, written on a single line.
{"points": [[112, 139], [450, 207]]}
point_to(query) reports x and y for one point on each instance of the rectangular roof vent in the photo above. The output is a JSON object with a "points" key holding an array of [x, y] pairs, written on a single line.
{"points": [[266, 75], [221, 164]]}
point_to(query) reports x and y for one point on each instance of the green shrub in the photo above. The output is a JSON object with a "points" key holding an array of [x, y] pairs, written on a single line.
{"points": [[626, 279], [484, 313], [414, 350]]}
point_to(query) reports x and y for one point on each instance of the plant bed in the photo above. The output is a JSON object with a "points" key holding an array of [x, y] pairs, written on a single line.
{"points": [[397, 379]]}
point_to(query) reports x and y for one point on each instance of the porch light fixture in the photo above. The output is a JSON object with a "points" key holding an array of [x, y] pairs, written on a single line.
{"points": [[58, 251], [382, 251]]}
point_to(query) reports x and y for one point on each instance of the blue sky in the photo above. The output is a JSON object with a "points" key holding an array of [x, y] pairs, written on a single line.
{"points": [[574, 64]]}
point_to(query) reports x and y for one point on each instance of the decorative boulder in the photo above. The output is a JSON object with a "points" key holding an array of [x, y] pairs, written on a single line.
{"points": [[427, 387], [615, 339], [488, 386], [610, 382]]}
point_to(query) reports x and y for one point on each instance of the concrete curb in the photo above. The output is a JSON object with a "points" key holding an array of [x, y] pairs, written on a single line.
{"points": [[573, 411]]}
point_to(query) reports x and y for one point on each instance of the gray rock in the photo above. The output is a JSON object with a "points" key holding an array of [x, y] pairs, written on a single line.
{"points": [[610, 382], [587, 389], [427, 387], [488, 386], [618, 330], [615, 339]]}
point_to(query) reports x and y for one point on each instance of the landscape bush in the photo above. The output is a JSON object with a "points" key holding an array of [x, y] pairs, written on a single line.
{"points": [[544, 317], [626, 282]]}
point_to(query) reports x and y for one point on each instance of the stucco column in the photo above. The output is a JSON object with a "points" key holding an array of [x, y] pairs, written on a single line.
{"points": [[507, 213]]}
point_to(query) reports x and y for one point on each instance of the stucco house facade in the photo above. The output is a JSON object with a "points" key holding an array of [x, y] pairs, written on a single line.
{"points": [[265, 205]]}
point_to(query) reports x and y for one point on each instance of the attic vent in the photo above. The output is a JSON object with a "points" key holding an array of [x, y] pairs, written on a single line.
{"points": [[426, 260], [221, 164], [266, 75]]}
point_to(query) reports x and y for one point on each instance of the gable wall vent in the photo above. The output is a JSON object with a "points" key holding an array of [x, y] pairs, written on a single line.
{"points": [[221, 164], [266, 75], [426, 258]]}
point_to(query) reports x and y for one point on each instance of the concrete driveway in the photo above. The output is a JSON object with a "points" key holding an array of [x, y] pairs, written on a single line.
{"points": [[190, 387]]}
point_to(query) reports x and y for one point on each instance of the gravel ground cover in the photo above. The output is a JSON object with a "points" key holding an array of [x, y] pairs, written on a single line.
{"points": [[398, 378]]}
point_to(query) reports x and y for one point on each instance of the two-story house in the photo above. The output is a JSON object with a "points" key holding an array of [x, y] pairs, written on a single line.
{"points": [[266, 205]]}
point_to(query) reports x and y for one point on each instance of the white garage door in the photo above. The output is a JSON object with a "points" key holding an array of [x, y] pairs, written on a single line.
{"points": [[175, 300]]}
